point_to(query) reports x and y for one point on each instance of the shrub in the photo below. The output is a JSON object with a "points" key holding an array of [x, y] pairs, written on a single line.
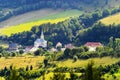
{"points": [[21, 51], [31, 67], [13, 54], [75, 58], [0, 55]]}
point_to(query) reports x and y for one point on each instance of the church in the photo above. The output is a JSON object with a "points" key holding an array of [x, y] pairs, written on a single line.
{"points": [[40, 42]]}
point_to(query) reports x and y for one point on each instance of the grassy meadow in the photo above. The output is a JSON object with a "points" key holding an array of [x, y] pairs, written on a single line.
{"points": [[82, 63], [114, 19], [32, 60], [24, 61], [21, 61], [53, 18]]}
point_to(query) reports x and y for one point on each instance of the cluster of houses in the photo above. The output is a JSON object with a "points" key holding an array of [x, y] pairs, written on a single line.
{"points": [[42, 43]]}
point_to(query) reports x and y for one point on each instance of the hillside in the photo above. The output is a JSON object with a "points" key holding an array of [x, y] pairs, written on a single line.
{"points": [[26, 17], [114, 19], [12, 7], [26, 21]]}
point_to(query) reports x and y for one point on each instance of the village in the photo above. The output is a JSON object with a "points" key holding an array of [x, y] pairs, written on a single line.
{"points": [[42, 43]]}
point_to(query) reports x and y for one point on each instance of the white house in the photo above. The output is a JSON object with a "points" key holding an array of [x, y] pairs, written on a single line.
{"points": [[59, 44], [93, 45]]}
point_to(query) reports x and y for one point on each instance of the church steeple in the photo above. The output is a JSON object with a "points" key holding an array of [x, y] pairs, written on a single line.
{"points": [[42, 35]]}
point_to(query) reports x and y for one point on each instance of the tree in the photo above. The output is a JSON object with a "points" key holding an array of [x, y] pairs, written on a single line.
{"points": [[1, 49], [21, 51], [27, 68], [111, 42], [75, 58], [0, 55], [85, 48], [50, 45], [13, 54], [58, 76], [91, 72], [31, 67], [14, 75], [105, 13], [45, 62], [67, 52], [73, 76], [36, 53]]}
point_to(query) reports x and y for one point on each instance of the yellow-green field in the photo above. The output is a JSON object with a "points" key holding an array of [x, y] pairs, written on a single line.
{"points": [[1, 78], [114, 19], [110, 77], [21, 61], [26, 26], [82, 63], [31, 60]]}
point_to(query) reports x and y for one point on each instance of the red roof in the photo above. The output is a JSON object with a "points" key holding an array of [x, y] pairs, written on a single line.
{"points": [[93, 44]]}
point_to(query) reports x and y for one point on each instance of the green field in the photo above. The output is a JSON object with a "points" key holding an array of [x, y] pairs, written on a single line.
{"points": [[54, 18], [114, 19]]}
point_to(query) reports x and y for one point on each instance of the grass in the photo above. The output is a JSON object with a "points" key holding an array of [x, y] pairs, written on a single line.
{"points": [[114, 19], [31, 60], [2, 78], [54, 18], [110, 77], [82, 63], [50, 75], [21, 61]]}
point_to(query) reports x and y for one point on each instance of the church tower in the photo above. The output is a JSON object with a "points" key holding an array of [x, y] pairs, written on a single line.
{"points": [[40, 42], [42, 35]]}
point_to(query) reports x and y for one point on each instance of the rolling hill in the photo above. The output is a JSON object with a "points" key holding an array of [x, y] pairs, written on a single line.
{"points": [[33, 15], [26, 21], [113, 19], [11, 8]]}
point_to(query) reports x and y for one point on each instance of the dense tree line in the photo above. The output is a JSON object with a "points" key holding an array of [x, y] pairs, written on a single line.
{"points": [[99, 32], [69, 31], [62, 32]]}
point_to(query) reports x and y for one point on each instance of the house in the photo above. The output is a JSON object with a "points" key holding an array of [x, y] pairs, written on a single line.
{"points": [[30, 49], [13, 46], [53, 50], [59, 44], [40, 42], [93, 45], [70, 46]]}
